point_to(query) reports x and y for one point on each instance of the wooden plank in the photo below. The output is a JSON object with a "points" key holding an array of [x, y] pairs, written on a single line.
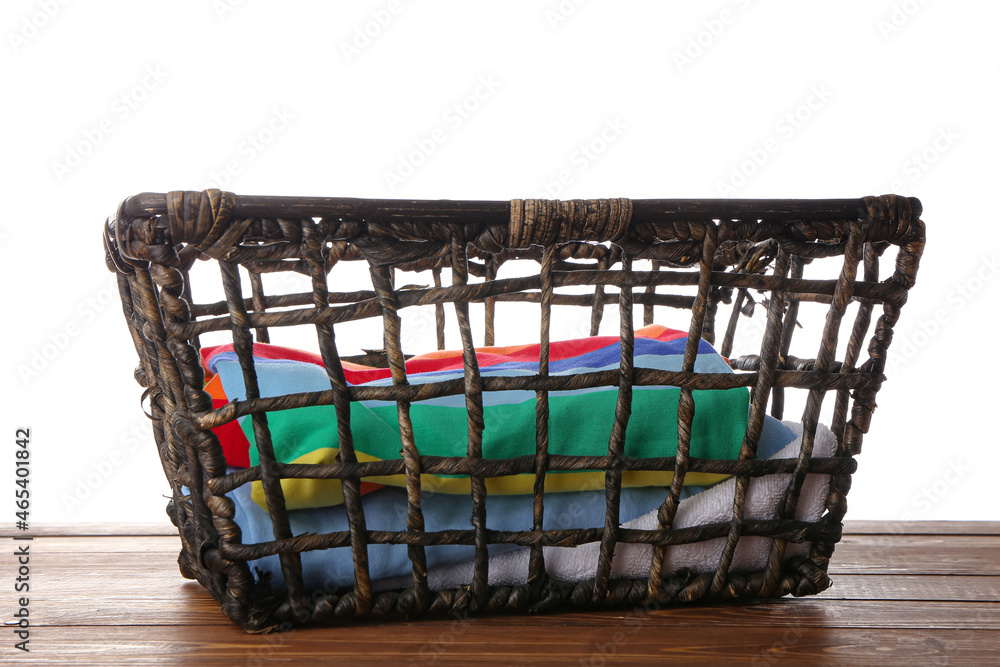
{"points": [[121, 568], [110, 544], [855, 554], [460, 643], [83, 579], [119, 599], [958, 588], [922, 527], [188, 604], [110, 528], [916, 554], [94, 589], [84, 557], [126, 569]]}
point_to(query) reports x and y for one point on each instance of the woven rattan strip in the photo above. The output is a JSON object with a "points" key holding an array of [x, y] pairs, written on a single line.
{"points": [[546, 221]]}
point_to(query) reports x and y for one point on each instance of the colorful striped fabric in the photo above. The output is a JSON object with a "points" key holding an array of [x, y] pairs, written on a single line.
{"points": [[235, 446], [579, 424]]}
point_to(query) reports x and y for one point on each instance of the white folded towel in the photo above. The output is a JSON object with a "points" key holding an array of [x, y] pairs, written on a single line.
{"points": [[714, 505]]}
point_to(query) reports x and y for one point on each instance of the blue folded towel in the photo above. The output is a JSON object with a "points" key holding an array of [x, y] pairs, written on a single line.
{"points": [[385, 509]]}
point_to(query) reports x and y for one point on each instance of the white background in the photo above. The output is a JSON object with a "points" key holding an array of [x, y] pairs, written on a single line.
{"points": [[105, 99]]}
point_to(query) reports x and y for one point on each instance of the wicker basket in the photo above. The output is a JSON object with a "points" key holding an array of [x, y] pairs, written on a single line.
{"points": [[702, 253]]}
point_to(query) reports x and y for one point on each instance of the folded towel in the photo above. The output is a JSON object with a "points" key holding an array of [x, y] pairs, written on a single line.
{"points": [[714, 505], [385, 509], [580, 420], [235, 446]]}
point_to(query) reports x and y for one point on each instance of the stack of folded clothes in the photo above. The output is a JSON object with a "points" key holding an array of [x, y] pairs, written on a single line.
{"points": [[580, 425]]}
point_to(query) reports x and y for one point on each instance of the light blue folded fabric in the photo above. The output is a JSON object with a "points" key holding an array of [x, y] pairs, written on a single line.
{"points": [[385, 509]]}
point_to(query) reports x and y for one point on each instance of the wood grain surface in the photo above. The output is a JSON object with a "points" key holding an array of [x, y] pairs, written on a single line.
{"points": [[917, 594]]}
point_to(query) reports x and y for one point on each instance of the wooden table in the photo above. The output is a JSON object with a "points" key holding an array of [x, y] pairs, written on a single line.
{"points": [[914, 594]]}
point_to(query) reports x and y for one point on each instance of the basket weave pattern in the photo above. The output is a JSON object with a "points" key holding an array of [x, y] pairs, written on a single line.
{"points": [[722, 251]]}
